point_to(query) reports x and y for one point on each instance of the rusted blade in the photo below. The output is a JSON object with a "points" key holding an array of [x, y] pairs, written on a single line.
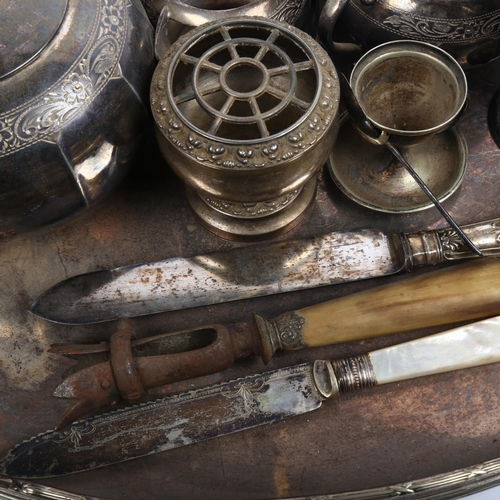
{"points": [[167, 423], [180, 283]]}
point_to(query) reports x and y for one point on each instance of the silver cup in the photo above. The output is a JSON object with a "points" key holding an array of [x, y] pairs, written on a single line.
{"points": [[409, 90]]}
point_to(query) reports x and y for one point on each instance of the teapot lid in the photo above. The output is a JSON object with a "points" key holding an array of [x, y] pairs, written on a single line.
{"points": [[27, 28]]}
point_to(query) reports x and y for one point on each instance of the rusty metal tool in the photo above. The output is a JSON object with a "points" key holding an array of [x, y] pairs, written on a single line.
{"points": [[129, 368], [180, 283], [248, 402]]}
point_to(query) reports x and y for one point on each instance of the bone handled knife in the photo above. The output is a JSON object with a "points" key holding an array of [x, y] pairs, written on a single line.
{"points": [[244, 403], [180, 283]]}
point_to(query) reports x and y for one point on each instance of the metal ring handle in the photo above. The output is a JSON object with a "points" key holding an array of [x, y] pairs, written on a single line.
{"points": [[124, 369]]}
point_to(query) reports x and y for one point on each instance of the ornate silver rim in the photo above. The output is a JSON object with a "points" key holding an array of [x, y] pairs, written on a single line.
{"points": [[44, 115], [440, 487], [252, 210], [445, 486]]}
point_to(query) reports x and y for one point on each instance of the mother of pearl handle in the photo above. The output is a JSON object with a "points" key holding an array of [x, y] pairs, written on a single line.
{"points": [[464, 347]]}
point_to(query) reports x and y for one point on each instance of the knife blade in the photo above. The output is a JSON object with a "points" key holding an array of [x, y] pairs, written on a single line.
{"points": [[179, 283], [244, 403]]}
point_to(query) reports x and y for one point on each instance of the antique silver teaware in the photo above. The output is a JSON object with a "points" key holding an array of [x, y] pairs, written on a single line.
{"points": [[468, 30], [74, 77], [246, 113], [409, 90], [191, 13], [412, 93]]}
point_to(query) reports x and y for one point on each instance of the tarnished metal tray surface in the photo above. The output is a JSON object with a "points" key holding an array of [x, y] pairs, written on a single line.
{"points": [[389, 435]]}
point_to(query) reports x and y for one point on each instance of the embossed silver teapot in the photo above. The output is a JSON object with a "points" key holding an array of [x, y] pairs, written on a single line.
{"points": [[74, 79], [467, 29]]}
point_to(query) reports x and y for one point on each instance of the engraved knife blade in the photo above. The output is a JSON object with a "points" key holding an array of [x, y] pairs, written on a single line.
{"points": [[179, 283], [244, 403]]}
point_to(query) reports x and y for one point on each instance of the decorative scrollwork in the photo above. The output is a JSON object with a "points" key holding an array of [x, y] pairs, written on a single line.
{"points": [[252, 210], [62, 102], [451, 241], [244, 390], [288, 329], [453, 30], [289, 12], [75, 433], [417, 27]]}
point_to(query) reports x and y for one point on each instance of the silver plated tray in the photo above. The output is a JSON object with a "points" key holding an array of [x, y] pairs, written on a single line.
{"points": [[444, 428]]}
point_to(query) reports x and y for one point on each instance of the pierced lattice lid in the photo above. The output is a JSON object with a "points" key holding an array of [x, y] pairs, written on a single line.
{"points": [[243, 80]]}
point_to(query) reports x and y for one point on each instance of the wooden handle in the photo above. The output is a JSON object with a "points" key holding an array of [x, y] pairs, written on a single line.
{"points": [[460, 293]]}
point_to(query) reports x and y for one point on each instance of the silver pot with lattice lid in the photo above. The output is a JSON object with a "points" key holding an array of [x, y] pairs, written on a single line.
{"points": [[246, 113]]}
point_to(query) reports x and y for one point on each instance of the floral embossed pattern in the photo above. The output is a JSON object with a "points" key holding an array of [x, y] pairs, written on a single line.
{"points": [[458, 30], [433, 29], [74, 91]]}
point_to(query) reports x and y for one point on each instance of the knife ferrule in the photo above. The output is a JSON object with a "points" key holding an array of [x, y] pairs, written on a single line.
{"points": [[427, 248], [335, 377], [282, 332], [354, 373]]}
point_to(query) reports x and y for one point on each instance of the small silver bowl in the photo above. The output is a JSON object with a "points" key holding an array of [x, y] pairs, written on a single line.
{"points": [[410, 90]]}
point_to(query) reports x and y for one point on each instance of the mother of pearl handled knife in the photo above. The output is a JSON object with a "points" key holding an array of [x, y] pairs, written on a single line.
{"points": [[459, 293], [180, 283], [244, 403]]}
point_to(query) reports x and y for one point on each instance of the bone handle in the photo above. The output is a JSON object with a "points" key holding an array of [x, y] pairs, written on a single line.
{"points": [[459, 293]]}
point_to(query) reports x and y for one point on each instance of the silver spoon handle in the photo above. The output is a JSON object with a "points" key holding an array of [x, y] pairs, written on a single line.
{"points": [[434, 200]]}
